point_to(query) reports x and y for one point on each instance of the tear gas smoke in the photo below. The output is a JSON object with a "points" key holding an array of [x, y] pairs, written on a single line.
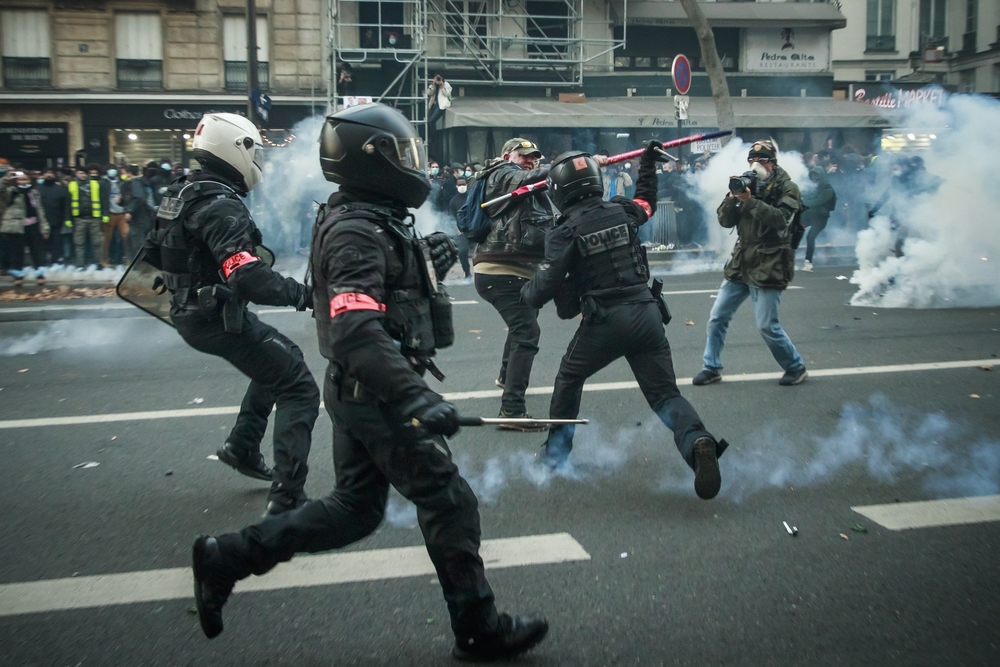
{"points": [[939, 248], [88, 336], [60, 274], [710, 186], [884, 439]]}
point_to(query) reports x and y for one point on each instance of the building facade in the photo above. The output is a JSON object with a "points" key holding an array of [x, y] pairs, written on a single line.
{"points": [[92, 80]]}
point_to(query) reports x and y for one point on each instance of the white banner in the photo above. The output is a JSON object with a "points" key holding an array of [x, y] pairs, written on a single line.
{"points": [[786, 50], [710, 145]]}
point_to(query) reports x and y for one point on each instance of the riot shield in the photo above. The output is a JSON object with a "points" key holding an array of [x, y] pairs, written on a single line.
{"points": [[142, 286]]}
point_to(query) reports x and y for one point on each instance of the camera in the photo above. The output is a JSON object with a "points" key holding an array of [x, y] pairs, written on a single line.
{"points": [[745, 181]]}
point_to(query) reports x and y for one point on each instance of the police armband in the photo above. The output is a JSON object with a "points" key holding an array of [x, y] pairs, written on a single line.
{"points": [[349, 301], [236, 261], [645, 207]]}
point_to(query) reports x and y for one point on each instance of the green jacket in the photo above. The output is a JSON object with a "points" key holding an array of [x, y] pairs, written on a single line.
{"points": [[15, 209], [763, 256]]}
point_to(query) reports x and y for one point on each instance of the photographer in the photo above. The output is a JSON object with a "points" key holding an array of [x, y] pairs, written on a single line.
{"points": [[762, 205], [438, 99]]}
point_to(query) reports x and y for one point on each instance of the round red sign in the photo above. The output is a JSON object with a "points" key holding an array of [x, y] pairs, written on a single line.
{"points": [[681, 71]]}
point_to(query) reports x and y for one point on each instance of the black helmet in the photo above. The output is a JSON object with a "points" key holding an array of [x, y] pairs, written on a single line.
{"points": [[373, 147], [574, 175]]}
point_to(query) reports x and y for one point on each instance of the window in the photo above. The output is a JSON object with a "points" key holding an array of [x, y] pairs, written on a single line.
{"points": [[971, 23], [234, 52], [881, 25], [547, 27], [932, 29], [139, 51], [967, 81], [466, 24], [880, 75], [26, 46]]}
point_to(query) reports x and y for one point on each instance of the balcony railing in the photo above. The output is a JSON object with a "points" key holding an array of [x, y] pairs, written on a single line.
{"points": [[140, 74], [236, 75], [21, 73], [881, 43]]}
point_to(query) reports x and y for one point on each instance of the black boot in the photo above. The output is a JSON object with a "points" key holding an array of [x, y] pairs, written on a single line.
{"points": [[512, 637], [707, 478], [279, 503], [251, 465], [212, 584]]}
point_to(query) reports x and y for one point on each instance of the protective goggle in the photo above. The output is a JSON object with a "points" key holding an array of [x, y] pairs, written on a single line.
{"points": [[751, 160]]}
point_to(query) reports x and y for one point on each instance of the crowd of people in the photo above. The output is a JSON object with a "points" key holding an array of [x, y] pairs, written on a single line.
{"points": [[91, 215]]}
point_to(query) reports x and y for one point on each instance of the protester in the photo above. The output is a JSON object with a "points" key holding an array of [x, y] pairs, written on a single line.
{"points": [[89, 203], [508, 258], [819, 203], [761, 266], [140, 212], [461, 241], [23, 222], [55, 202], [117, 221]]}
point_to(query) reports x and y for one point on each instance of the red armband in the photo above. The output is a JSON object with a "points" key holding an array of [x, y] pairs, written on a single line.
{"points": [[236, 261], [353, 301], [645, 207]]}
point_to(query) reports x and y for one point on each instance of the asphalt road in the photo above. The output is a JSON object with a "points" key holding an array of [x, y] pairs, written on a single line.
{"points": [[701, 583]]}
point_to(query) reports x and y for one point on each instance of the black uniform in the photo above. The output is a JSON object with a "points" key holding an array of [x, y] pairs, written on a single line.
{"points": [[375, 327], [595, 263], [204, 237]]}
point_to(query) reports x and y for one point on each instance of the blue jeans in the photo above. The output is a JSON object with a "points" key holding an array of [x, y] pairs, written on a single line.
{"points": [[765, 311]]}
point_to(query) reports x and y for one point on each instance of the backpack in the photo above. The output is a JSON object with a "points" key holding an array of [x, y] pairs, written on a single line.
{"points": [[472, 219]]}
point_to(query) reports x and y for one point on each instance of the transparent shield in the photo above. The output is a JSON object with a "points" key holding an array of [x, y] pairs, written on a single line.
{"points": [[139, 286]]}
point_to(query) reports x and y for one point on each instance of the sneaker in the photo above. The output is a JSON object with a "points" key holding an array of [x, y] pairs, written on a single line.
{"points": [[251, 465], [523, 428], [705, 377], [793, 377], [807, 266], [707, 478], [513, 637], [211, 586]]}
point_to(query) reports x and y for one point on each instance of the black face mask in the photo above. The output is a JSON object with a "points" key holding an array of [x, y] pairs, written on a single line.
{"points": [[50, 179]]}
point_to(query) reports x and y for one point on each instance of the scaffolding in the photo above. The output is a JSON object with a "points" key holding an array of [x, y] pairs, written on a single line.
{"points": [[474, 43]]}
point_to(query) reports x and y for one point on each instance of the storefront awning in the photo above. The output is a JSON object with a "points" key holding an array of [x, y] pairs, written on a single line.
{"points": [[640, 112], [732, 14]]}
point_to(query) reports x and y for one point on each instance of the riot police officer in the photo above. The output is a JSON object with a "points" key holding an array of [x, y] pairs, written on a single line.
{"points": [[208, 249], [380, 317], [594, 263]]}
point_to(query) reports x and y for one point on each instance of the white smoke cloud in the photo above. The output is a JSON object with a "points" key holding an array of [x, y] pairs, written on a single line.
{"points": [[951, 249], [98, 337]]}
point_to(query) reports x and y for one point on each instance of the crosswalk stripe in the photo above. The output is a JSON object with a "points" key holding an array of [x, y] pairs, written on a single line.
{"points": [[490, 393], [322, 570], [933, 513]]}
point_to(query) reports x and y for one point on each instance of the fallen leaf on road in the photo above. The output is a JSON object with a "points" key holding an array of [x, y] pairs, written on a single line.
{"points": [[23, 370], [88, 464], [194, 401], [114, 437], [985, 368], [690, 323], [625, 555], [841, 277], [845, 536], [858, 528], [475, 331], [973, 395]]}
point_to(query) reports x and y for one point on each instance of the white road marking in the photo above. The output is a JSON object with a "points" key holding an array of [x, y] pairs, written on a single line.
{"points": [[494, 393], [933, 513], [323, 570]]}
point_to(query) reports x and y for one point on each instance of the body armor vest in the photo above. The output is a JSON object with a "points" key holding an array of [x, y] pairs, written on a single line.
{"points": [[612, 256], [416, 313], [186, 264]]}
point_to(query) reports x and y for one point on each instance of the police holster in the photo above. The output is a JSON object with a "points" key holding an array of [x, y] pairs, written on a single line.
{"points": [[661, 302], [593, 311], [213, 298]]}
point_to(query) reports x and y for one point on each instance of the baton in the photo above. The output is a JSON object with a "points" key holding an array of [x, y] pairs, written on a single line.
{"points": [[614, 159]]}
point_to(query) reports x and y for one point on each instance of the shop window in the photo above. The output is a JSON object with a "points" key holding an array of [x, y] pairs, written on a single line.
{"points": [[234, 52], [971, 25], [643, 62], [465, 23], [623, 62], [967, 81], [881, 25], [547, 27], [888, 75], [26, 49], [139, 51]]}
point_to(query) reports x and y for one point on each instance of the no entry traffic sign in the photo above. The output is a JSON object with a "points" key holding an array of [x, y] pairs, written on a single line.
{"points": [[681, 71]]}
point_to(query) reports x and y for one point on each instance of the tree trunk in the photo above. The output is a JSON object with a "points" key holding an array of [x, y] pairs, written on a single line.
{"points": [[713, 66]]}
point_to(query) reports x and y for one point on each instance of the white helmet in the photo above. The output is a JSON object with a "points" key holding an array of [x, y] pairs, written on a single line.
{"points": [[232, 140]]}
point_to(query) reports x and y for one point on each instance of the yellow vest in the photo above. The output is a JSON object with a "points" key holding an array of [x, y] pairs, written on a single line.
{"points": [[95, 199]]}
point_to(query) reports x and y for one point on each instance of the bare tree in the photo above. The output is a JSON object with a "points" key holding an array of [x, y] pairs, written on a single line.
{"points": [[713, 66]]}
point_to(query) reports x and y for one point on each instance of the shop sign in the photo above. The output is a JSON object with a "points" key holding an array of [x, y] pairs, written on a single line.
{"points": [[891, 97], [159, 116], [786, 50], [34, 139]]}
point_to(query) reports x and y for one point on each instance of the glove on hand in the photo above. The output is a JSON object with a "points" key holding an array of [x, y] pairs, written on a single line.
{"points": [[652, 153], [444, 253], [440, 418], [305, 298]]}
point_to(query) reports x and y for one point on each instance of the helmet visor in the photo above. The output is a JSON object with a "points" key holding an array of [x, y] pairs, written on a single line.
{"points": [[258, 156], [411, 153]]}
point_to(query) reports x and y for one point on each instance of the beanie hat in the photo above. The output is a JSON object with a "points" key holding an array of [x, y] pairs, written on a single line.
{"points": [[765, 149]]}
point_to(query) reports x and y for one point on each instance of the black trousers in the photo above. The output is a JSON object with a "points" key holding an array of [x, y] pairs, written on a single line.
{"points": [[633, 331], [278, 376], [521, 346], [375, 446], [815, 229]]}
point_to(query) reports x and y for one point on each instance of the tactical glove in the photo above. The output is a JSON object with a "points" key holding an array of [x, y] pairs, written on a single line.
{"points": [[444, 253], [652, 153], [440, 418], [305, 298]]}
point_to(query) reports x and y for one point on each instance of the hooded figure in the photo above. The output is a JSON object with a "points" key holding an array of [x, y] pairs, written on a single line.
{"points": [[819, 203]]}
